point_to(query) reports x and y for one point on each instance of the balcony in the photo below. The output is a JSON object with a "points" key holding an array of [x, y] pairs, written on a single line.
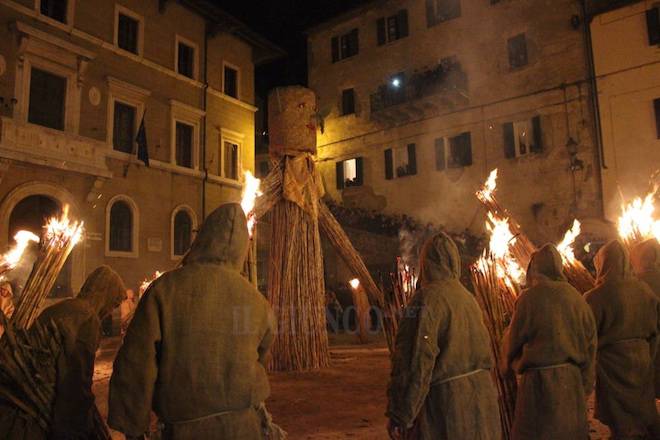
{"points": [[424, 92], [53, 148]]}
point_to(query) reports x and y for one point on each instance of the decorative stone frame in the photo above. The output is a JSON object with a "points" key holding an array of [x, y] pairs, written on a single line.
{"points": [[234, 137], [70, 15], [119, 9], [193, 218], [179, 39], [127, 94], [186, 114], [226, 64], [135, 232]]}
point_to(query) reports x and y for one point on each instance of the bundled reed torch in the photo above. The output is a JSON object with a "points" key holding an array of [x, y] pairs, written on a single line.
{"points": [[574, 270], [60, 237], [250, 193], [496, 278], [404, 283], [637, 222]]}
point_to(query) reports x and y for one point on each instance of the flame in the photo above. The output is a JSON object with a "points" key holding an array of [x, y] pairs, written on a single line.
{"points": [[637, 221], [502, 239], [250, 193], [487, 191], [565, 248], [146, 283], [355, 283], [62, 231], [13, 256]]}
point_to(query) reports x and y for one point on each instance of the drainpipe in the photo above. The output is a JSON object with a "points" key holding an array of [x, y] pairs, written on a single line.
{"points": [[203, 128]]}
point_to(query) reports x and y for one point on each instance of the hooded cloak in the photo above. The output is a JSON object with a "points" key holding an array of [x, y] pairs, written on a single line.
{"points": [[626, 312], [551, 342], [440, 367], [195, 351]]}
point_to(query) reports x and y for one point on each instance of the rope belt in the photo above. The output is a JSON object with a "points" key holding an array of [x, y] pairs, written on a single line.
{"points": [[210, 416], [550, 367], [460, 376]]}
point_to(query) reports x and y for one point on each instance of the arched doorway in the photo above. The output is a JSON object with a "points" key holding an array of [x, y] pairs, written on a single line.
{"points": [[32, 213]]}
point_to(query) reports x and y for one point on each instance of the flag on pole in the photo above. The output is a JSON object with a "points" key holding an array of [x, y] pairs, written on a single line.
{"points": [[141, 140]]}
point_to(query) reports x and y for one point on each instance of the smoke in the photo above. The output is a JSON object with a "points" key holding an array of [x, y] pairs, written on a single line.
{"points": [[18, 276], [411, 242]]}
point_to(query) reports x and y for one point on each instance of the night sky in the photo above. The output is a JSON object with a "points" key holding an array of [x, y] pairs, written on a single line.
{"points": [[284, 23]]}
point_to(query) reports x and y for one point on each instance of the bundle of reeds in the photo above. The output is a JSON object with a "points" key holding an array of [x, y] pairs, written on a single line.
{"points": [[403, 283], [60, 237], [575, 272], [362, 315]]}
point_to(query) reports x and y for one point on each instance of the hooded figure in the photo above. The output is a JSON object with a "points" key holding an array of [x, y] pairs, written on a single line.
{"points": [[79, 322], [195, 351], [627, 313], [645, 259], [440, 366], [551, 343]]}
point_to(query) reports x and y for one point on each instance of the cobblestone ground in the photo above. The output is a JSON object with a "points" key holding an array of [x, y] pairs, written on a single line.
{"points": [[345, 401]]}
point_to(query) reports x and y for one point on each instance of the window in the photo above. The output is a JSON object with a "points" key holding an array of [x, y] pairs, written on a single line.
{"points": [[400, 162], [348, 102], [184, 144], [55, 9], [517, 51], [345, 46], [123, 132], [185, 64], [522, 137], [128, 33], [656, 107], [438, 11], [350, 173], [47, 99], [460, 151], [230, 160], [231, 82], [182, 231], [653, 25], [393, 27], [121, 227]]}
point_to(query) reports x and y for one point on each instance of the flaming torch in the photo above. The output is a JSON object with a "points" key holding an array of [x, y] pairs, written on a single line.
{"points": [[404, 282], [577, 274], [251, 190], [637, 222], [11, 259], [147, 282], [60, 237], [361, 303]]}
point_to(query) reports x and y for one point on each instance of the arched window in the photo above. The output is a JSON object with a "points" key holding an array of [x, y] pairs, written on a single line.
{"points": [[183, 230], [121, 227]]}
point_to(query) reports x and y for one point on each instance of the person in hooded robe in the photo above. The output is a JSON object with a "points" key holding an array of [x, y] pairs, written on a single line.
{"points": [[627, 313], [441, 382], [196, 349], [551, 344], [645, 259], [78, 321]]}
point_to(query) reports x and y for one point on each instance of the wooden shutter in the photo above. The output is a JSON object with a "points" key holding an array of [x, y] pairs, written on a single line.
{"points": [[653, 25], [431, 19], [359, 166], [389, 164], [466, 149], [537, 147], [335, 49], [339, 167], [380, 31], [509, 140], [412, 160], [402, 21], [354, 42], [656, 106], [440, 159]]}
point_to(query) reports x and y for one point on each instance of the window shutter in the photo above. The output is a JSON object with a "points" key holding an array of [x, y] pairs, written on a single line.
{"points": [[431, 19], [339, 166], [335, 49], [656, 105], [653, 25], [354, 42], [380, 24], [537, 147], [402, 20], [440, 160], [412, 160], [389, 164], [509, 140], [359, 165], [466, 155]]}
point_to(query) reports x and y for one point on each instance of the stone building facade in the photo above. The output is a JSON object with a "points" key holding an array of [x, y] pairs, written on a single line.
{"points": [[77, 80], [422, 99]]}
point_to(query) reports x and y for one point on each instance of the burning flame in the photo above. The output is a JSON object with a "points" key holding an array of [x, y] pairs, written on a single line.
{"points": [[146, 283], [355, 283], [565, 248], [13, 256], [487, 191], [62, 231], [250, 193], [501, 241], [637, 222]]}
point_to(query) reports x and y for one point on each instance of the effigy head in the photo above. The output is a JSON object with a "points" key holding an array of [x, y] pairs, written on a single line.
{"points": [[292, 120]]}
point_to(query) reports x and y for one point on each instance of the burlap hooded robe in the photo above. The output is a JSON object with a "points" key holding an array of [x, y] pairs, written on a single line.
{"points": [[551, 343], [440, 367], [196, 349], [79, 322], [645, 259], [626, 312]]}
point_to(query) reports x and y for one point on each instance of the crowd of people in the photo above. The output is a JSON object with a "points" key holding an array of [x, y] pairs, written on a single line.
{"points": [[195, 352]]}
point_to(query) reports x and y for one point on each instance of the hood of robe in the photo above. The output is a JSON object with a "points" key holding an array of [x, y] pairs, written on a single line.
{"points": [[545, 264], [439, 260], [612, 263], [223, 238], [103, 290], [645, 256]]}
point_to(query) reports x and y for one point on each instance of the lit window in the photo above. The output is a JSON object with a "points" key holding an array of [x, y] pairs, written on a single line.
{"points": [[184, 145], [522, 137], [47, 99], [230, 160], [183, 229], [350, 173], [123, 133], [55, 9], [401, 162], [121, 227]]}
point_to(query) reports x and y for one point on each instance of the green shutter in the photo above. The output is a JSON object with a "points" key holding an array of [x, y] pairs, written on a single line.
{"points": [[359, 165], [402, 21], [389, 164], [440, 160], [537, 147], [412, 160], [339, 167], [380, 31], [509, 140], [335, 49]]}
